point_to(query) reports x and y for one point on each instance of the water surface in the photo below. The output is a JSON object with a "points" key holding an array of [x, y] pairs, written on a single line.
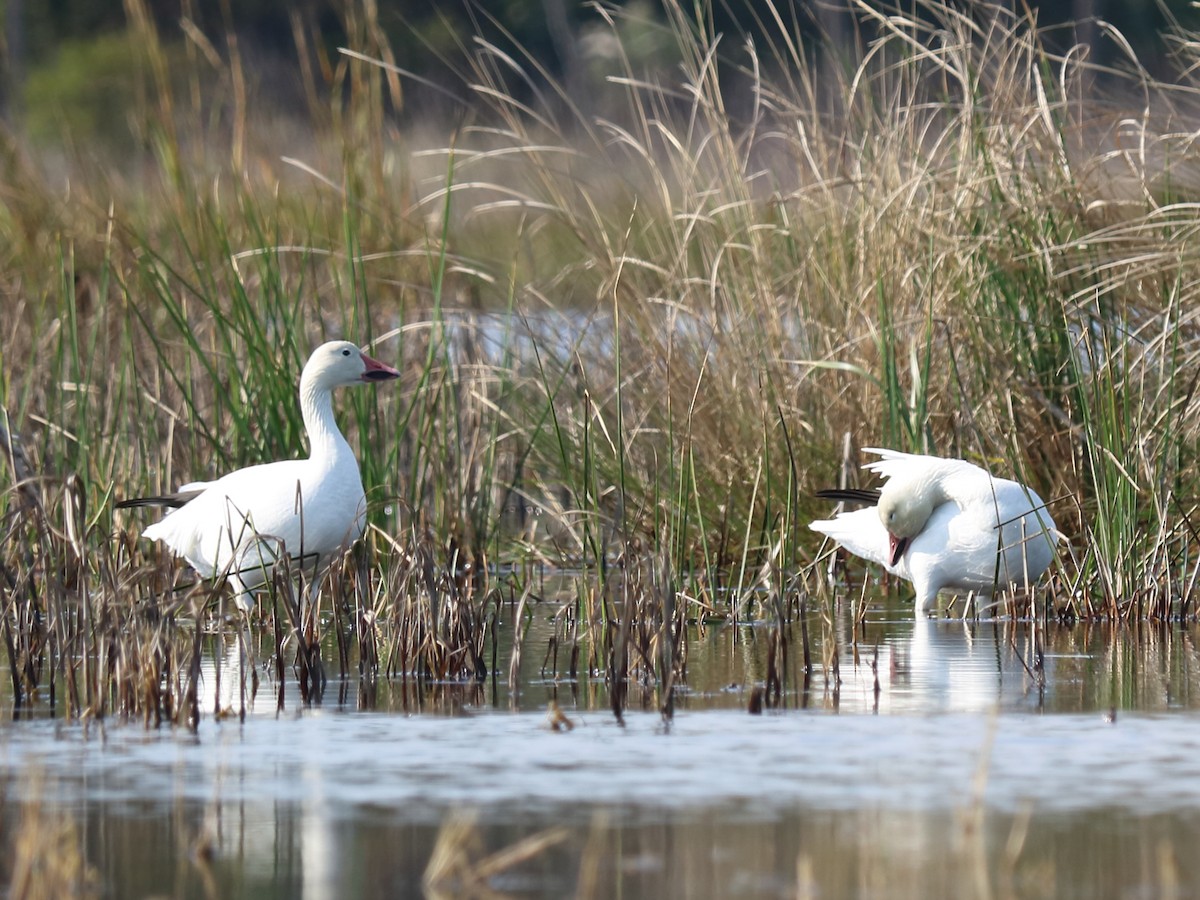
{"points": [[942, 759]]}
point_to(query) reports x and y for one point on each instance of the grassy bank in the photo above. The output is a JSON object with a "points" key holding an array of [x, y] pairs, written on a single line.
{"points": [[633, 331]]}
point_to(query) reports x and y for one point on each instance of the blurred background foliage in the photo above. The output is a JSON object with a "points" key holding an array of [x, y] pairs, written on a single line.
{"points": [[75, 70], [646, 265]]}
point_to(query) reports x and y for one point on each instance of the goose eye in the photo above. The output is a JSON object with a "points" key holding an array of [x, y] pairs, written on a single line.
{"points": [[345, 353]]}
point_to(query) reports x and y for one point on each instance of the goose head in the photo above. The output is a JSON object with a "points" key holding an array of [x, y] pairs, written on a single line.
{"points": [[904, 508], [340, 363]]}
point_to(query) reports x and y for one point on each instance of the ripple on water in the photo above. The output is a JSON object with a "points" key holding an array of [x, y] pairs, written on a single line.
{"points": [[420, 766]]}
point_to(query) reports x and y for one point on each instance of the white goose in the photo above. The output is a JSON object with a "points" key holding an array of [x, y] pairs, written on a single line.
{"points": [[311, 509], [945, 523]]}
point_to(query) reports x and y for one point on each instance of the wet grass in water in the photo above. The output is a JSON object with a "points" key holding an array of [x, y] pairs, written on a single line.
{"points": [[633, 341]]}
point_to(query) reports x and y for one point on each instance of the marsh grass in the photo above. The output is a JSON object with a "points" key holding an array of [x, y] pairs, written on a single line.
{"points": [[634, 325]]}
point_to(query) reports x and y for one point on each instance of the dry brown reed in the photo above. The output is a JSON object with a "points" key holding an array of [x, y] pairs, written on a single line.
{"points": [[457, 867], [45, 853], [437, 612], [78, 618]]}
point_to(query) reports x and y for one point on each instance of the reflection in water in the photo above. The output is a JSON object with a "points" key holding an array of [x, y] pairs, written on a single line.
{"points": [[954, 665], [723, 803], [318, 843], [921, 666], [952, 790], [224, 678]]}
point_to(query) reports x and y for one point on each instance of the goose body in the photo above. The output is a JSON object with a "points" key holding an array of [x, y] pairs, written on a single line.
{"points": [[945, 524], [310, 509]]}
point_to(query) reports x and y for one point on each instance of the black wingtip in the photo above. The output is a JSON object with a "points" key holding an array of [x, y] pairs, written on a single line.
{"points": [[172, 501], [138, 502], [850, 495]]}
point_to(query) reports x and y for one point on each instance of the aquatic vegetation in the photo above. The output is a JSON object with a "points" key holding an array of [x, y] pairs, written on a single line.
{"points": [[637, 326], [634, 336]]}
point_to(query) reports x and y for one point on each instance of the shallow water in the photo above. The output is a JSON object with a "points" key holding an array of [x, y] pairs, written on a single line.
{"points": [[960, 776]]}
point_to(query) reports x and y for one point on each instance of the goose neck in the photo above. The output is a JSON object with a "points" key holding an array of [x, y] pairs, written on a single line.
{"points": [[316, 408]]}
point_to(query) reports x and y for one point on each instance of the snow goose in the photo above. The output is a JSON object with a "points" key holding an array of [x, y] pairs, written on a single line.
{"points": [[945, 523], [311, 509]]}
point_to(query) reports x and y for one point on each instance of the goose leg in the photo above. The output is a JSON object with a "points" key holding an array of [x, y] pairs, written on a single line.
{"points": [[926, 601], [243, 599]]}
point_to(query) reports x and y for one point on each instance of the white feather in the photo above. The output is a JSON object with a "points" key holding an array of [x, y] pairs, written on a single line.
{"points": [[984, 533], [310, 509]]}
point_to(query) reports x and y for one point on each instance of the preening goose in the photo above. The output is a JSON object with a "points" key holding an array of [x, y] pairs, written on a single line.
{"points": [[311, 509], [945, 523]]}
